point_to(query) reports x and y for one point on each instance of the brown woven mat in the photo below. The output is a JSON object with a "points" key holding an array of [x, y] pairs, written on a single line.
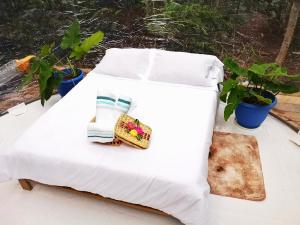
{"points": [[234, 167]]}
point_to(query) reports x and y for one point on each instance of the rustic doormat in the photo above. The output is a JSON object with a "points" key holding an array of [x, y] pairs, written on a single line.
{"points": [[234, 167]]}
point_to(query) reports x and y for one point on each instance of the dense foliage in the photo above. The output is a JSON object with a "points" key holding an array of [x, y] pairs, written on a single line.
{"points": [[188, 25], [250, 84]]}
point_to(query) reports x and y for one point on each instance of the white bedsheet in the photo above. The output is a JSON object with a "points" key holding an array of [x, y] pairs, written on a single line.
{"points": [[170, 175]]}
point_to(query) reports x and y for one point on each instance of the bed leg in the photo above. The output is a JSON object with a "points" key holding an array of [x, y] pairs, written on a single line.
{"points": [[25, 184]]}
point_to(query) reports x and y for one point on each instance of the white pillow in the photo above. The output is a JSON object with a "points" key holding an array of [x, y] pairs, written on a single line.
{"points": [[126, 62], [186, 68]]}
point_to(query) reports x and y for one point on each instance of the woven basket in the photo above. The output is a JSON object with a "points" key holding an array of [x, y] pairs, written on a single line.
{"points": [[122, 133], [115, 142]]}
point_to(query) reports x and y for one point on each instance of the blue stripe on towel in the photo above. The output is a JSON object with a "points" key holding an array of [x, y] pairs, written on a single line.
{"points": [[106, 98], [124, 101], [98, 136]]}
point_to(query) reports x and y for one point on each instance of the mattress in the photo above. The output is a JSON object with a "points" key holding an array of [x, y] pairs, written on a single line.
{"points": [[171, 175]]}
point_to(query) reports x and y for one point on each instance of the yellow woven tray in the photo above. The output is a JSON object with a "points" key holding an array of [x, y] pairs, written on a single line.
{"points": [[123, 133]]}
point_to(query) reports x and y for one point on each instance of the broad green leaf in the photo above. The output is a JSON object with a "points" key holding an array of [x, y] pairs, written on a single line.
{"points": [[77, 53], [46, 50], [86, 45], [228, 85], [71, 37], [234, 76], [260, 69], [254, 78], [278, 72], [288, 89], [271, 86], [52, 84], [230, 63], [261, 98], [223, 97], [42, 99], [234, 68], [278, 86], [92, 41], [233, 96], [45, 72], [34, 67], [26, 79], [229, 109]]}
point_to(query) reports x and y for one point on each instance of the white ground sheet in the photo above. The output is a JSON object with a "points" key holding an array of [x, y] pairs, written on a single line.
{"points": [[170, 175]]}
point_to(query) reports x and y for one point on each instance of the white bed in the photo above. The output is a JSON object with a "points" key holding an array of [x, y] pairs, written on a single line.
{"points": [[170, 176]]}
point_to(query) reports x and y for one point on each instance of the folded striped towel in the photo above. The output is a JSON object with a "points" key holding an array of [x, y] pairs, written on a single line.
{"points": [[108, 112], [96, 134]]}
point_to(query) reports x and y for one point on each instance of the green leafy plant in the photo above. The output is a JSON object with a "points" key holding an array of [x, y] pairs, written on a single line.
{"points": [[249, 85], [50, 60]]}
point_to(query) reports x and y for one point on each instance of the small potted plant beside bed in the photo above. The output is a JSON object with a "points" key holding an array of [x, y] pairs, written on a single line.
{"points": [[251, 92], [47, 66]]}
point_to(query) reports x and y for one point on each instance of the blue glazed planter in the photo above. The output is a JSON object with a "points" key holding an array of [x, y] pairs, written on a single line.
{"points": [[252, 115], [66, 85]]}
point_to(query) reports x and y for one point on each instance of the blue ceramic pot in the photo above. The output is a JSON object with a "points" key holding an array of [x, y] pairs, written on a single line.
{"points": [[252, 115], [66, 85]]}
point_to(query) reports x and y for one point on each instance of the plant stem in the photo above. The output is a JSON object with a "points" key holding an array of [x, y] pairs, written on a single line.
{"points": [[59, 60], [71, 67]]}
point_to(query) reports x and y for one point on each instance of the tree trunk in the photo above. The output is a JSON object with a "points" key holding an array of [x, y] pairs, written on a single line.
{"points": [[289, 33]]}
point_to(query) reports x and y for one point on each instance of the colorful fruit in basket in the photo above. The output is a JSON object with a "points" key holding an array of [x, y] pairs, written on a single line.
{"points": [[134, 129], [139, 130], [133, 133], [131, 125]]}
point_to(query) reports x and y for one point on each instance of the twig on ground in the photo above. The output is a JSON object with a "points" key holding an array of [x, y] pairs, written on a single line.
{"points": [[243, 35]]}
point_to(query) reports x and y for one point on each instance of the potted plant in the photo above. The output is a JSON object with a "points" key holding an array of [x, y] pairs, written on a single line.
{"points": [[47, 66], [251, 92]]}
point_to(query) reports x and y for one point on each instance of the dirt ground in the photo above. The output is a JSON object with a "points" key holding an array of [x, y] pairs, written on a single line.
{"points": [[265, 40]]}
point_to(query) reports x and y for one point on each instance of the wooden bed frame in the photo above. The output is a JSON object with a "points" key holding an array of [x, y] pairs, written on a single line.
{"points": [[28, 186]]}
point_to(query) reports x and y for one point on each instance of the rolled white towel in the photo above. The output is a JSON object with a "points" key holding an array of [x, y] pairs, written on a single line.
{"points": [[108, 112], [105, 111]]}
